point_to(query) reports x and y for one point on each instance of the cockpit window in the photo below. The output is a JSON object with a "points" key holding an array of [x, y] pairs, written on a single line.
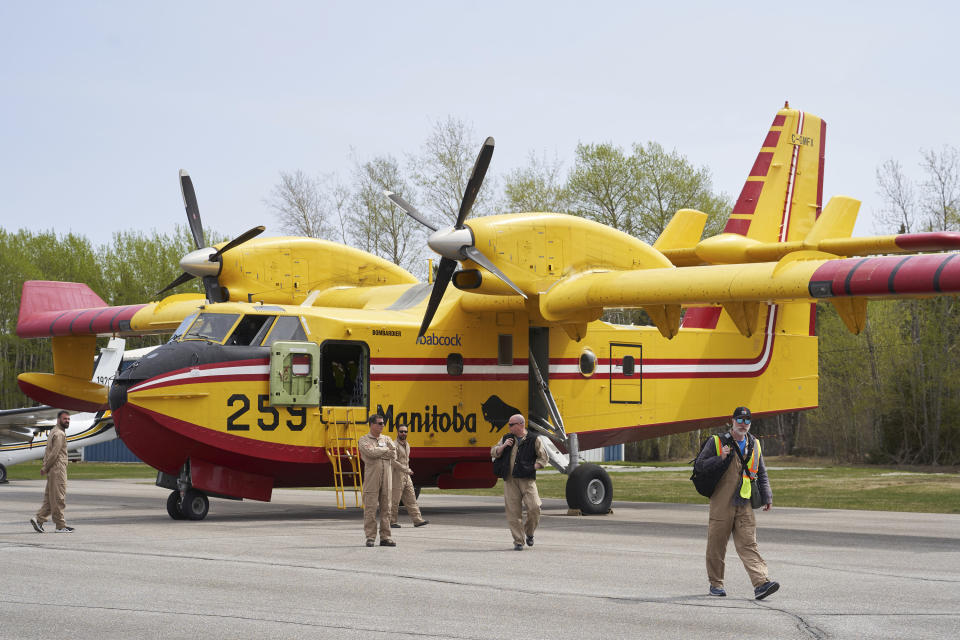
{"points": [[250, 330], [183, 327], [286, 328], [211, 326]]}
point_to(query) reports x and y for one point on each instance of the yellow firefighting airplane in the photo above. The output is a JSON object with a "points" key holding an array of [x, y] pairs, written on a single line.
{"points": [[297, 339]]}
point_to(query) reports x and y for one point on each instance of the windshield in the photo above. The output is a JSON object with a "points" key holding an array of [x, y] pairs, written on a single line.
{"points": [[211, 326], [183, 327]]}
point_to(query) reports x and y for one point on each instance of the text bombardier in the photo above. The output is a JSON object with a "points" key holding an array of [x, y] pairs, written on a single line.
{"points": [[429, 420]]}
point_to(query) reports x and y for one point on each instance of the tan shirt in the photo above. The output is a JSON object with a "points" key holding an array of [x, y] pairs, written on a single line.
{"points": [[378, 455], [542, 457], [401, 466], [55, 455]]}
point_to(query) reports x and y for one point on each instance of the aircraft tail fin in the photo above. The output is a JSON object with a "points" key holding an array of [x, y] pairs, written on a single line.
{"points": [[782, 196]]}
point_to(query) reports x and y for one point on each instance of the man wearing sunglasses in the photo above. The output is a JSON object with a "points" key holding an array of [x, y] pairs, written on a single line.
{"points": [[378, 453], [730, 508], [402, 485], [525, 454]]}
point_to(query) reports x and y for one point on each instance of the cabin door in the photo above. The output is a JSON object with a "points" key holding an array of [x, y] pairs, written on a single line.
{"points": [[626, 379]]}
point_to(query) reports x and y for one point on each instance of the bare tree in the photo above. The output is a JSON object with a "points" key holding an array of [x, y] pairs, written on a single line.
{"points": [[308, 206], [376, 224], [941, 189], [442, 170], [898, 211]]}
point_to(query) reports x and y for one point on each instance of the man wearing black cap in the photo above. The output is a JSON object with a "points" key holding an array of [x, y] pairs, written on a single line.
{"points": [[730, 509]]}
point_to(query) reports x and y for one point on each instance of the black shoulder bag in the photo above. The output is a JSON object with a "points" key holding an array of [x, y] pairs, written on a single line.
{"points": [[706, 483]]}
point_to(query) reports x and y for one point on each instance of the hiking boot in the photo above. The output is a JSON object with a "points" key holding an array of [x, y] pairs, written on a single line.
{"points": [[421, 523], [37, 525], [387, 543], [766, 589], [529, 541], [718, 591], [518, 547], [64, 529], [370, 542]]}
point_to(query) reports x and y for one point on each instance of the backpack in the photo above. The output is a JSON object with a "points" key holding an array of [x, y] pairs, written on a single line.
{"points": [[705, 483]]}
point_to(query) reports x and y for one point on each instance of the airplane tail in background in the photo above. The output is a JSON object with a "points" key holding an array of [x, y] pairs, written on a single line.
{"points": [[783, 195], [781, 201]]}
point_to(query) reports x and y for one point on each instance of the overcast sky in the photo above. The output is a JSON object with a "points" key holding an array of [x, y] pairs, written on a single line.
{"points": [[103, 102]]}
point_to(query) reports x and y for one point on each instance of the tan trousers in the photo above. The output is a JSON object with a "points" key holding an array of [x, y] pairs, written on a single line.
{"points": [[518, 493], [741, 522], [403, 488], [54, 499], [373, 497]]}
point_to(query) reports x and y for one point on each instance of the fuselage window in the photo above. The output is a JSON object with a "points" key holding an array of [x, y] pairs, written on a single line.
{"points": [[505, 349], [629, 365], [287, 328], [588, 363], [344, 374], [211, 326], [250, 330], [455, 364]]}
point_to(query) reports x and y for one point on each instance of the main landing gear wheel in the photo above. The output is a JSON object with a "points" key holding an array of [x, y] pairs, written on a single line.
{"points": [[173, 506], [589, 489], [3, 474], [194, 505]]}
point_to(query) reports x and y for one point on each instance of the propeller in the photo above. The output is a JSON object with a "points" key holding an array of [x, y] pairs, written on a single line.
{"points": [[206, 262], [457, 242]]}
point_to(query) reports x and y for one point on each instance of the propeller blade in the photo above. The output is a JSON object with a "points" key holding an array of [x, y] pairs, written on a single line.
{"points": [[409, 209], [444, 274], [474, 254], [193, 211], [184, 277], [476, 180], [243, 237]]}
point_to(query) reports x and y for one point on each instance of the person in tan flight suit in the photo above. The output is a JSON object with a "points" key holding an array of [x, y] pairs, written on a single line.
{"points": [[402, 485], [730, 509], [527, 454], [55, 468], [378, 453]]}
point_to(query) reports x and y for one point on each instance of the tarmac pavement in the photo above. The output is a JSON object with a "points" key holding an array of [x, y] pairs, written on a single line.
{"points": [[297, 567]]}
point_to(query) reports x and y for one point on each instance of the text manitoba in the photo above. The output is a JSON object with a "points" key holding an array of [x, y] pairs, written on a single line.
{"points": [[429, 420]]}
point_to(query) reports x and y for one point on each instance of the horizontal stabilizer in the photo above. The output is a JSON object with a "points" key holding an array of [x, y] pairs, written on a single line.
{"points": [[64, 392], [68, 309]]}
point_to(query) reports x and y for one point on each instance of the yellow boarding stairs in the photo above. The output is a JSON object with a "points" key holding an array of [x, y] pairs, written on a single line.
{"points": [[344, 454]]}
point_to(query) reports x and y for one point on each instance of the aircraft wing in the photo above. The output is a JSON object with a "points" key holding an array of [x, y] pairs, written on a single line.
{"points": [[800, 276], [22, 425]]}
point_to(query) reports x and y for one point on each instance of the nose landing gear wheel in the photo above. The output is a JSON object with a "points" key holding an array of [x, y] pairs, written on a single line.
{"points": [[173, 506], [194, 505]]}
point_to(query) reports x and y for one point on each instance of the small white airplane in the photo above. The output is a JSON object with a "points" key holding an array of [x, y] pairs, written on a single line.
{"points": [[23, 432]]}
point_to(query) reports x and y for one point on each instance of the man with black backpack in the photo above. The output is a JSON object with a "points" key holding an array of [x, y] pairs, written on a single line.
{"points": [[733, 465]]}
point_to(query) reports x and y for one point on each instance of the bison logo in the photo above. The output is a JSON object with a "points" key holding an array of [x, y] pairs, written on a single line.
{"points": [[497, 412]]}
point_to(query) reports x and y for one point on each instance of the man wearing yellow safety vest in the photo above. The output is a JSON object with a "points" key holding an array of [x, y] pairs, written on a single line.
{"points": [[730, 504]]}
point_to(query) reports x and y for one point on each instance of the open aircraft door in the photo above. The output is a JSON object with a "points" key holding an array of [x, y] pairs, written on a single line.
{"points": [[626, 379]]}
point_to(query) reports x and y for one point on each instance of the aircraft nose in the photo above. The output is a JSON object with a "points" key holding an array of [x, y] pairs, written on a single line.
{"points": [[118, 396]]}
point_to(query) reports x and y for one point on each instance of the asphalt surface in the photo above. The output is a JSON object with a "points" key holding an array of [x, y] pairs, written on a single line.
{"points": [[297, 568]]}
